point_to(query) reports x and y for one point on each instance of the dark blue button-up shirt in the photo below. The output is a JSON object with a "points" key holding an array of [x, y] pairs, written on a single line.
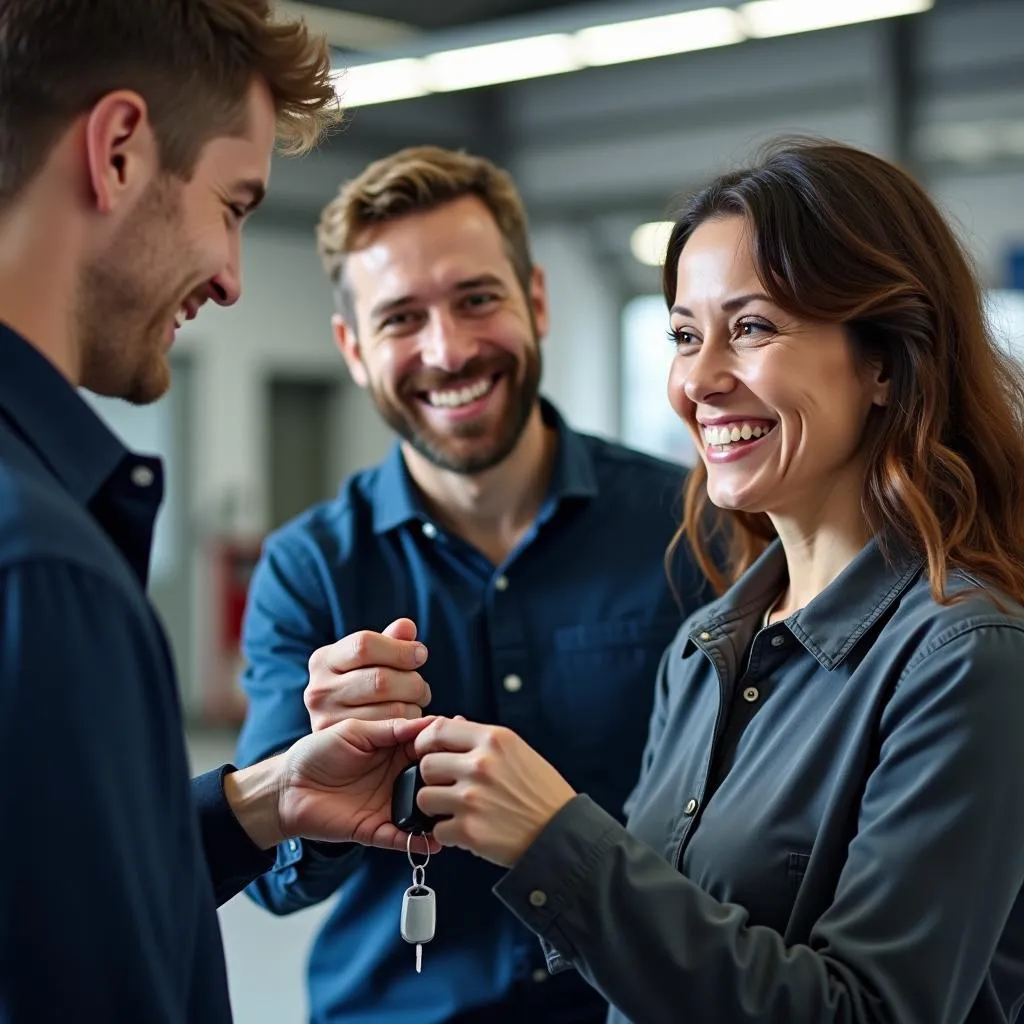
{"points": [[106, 907], [561, 643]]}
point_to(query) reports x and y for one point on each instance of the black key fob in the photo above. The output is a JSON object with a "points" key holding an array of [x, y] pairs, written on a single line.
{"points": [[405, 813]]}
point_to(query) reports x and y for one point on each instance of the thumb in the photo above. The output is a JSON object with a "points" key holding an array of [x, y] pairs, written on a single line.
{"points": [[401, 629]]}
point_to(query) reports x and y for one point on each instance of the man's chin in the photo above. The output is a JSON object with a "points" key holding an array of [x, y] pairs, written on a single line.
{"points": [[151, 386], [464, 456]]}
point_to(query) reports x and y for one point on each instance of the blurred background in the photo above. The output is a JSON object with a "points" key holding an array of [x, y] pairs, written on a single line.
{"points": [[603, 114]]}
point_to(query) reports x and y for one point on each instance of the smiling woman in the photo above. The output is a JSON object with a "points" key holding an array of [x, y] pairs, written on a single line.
{"points": [[871, 312], [838, 733]]}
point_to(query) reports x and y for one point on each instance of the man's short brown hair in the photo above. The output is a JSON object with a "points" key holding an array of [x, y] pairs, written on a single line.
{"points": [[192, 61], [416, 180]]}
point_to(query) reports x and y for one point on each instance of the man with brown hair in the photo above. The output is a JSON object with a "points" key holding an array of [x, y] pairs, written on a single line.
{"points": [[529, 556], [135, 137]]}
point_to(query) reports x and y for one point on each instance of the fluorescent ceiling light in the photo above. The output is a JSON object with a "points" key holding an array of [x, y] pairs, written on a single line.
{"points": [[382, 82], [784, 17], [659, 37], [649, 242], [510, 61], [514, 60]]}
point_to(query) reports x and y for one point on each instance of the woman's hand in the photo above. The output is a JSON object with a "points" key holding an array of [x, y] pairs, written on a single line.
{"points": [[497, 792]]}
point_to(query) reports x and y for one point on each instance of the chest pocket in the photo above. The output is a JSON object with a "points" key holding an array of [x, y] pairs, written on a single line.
{"points": [[600, 703]]}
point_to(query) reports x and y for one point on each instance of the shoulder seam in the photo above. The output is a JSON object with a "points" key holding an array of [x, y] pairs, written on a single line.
{"points": [[66, 562], [954, 632]]}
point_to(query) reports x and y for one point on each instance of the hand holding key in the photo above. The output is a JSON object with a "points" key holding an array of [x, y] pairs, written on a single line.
{"points": [[497, 791], [336, 785]]}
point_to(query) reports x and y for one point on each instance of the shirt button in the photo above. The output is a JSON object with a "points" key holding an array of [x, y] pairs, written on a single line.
{"points": [[501, 583], [705, 636], [293, 845], [691, 805], [778, 641], [429, 531], [142, 476], [538, 898], [512, 683], [539, 975], [750, 694]]}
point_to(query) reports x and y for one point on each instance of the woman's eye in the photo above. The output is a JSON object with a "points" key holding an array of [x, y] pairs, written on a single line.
{"points": [[682, 338], [753, 328]]}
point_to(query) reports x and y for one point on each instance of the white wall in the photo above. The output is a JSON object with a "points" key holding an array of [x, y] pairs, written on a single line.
{"points": [[283, 319], [581, 351]]}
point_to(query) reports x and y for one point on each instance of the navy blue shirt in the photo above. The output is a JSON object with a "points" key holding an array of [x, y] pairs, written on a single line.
{"points": [[561, 643], [107, 911]]}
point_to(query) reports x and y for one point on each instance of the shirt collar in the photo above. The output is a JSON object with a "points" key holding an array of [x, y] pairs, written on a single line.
{"points": [[832, 624], [397, 500], [52, 418]]}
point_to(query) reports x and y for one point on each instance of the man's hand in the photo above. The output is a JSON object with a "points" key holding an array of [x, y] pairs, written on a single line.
{"points": [[497, 791], [334, 785], [367, 675]]}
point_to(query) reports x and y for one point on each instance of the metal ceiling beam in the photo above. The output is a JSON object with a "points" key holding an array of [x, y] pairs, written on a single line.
{"points": [[347, 30]]}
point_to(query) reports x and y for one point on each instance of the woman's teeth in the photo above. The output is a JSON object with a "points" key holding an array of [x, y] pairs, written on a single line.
{"points": [[456, 397], [730, 433]]}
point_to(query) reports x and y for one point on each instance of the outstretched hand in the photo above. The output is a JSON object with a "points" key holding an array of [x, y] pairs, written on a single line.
{"points": [[336, 784]]}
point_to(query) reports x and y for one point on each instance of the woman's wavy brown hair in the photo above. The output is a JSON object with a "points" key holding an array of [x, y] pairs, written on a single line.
{"points": [[841, 236]]}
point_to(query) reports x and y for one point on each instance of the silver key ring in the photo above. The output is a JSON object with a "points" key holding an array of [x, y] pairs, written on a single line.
{"points": [[408, 852]]}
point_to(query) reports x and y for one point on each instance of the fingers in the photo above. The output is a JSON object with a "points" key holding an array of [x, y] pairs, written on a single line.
{"points": [[455, 735], [366, 648], [368, 686], [325, 718], [388, 837], [445, 769], [340, 687], [380, 735], [406, 730], [441, 802], [401, 629]]}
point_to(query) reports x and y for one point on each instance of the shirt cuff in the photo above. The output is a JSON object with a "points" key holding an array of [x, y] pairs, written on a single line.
{"points": [[232, 857], [553, 872]]}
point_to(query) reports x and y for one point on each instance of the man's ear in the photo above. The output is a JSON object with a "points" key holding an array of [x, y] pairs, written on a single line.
{"points": [[348, 345], [121, 150]]}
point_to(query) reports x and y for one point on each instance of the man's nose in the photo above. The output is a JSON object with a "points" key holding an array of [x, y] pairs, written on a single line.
{"points": [[446, 343]]}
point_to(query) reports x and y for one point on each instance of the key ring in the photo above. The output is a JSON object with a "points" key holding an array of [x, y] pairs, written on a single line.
{"points": [[419, 871]]}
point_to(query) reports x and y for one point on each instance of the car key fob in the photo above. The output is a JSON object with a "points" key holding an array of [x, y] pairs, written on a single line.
{"points": [[405, 812]]}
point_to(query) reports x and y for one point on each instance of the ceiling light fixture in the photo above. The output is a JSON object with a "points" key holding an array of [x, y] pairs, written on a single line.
{"points": [[659, 37], [648, 242], [766, 18], [382, 82], [513, 60]]}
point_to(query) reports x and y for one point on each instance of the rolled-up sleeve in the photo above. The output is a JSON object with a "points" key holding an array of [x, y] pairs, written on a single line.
{"points": [[933, 871]]}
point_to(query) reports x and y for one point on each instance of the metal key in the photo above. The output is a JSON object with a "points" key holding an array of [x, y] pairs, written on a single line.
{"points": [[419, 912], [418, 919]]}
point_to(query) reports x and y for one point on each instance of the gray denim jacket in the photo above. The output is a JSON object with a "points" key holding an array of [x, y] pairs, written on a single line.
{"points": [[829, 823]]}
